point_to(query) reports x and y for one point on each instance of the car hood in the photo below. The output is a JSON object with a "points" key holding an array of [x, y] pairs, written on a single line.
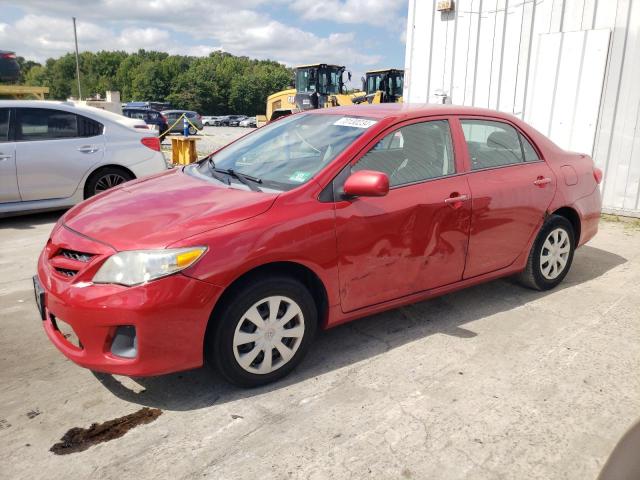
{"points": [[161, 210]]}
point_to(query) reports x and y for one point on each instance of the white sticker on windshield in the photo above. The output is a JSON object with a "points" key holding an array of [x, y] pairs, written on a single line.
{"points": [[355, 122]]}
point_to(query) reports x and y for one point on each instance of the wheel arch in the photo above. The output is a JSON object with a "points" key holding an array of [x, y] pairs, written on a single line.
{"points": [[96, 170], [574, 219], [296, 270]]}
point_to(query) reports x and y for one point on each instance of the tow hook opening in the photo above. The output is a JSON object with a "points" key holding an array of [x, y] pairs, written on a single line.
{"points": [[125, 342]]}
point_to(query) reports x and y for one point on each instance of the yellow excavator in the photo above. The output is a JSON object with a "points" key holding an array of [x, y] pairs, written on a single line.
{"points": [[322, 85], [382, 86]]}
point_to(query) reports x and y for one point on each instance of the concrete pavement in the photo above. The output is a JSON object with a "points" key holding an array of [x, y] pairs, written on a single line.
{"points": [[493, 382]]}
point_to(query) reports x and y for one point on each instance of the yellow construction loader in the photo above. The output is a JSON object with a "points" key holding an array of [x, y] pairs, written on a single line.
{"points": [[382, 86], [317, 86], [321, 85]]}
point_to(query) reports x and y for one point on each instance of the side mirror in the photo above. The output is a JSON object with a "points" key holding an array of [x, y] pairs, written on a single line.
{"points": [[364, 84], [366, 183], [349, 75]]}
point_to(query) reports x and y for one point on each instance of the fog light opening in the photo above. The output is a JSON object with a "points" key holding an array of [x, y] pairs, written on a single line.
{"points": [[125, 342]]}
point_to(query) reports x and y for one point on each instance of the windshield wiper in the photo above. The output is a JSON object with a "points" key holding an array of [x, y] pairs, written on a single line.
{"points": [[212, 168], [248, 180]]}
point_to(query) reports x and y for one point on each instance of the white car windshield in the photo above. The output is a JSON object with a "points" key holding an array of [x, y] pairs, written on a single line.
{"points": [[288, 152]]}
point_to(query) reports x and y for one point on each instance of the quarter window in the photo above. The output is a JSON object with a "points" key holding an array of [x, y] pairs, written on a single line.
{"points": [[88, 127], [414, 153], [495, 144]]}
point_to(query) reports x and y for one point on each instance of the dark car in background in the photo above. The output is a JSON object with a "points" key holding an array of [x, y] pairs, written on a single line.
{"points": [[229, 120], [150, 117], [235, 122], [9, 68], [195, 120]]}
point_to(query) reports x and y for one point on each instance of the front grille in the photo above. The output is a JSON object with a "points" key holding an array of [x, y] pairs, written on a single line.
{"points": [[66, 272], [73, 255]]}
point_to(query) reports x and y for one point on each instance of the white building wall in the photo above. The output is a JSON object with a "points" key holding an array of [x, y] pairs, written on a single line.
{"points": [[571, 68]]}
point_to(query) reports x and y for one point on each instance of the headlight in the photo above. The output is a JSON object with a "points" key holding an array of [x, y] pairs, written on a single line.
{"points": [[139, 266]]}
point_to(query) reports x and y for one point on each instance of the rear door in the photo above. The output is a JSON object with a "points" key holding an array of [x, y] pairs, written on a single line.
{"points": [[8, 181], [512, 187], [54, 151]]}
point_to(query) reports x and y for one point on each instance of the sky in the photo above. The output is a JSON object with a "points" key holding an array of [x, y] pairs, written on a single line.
{"points": [[360, 34]]}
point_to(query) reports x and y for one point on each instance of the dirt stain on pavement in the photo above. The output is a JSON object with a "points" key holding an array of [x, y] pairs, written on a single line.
{"points": [[79, 439]]}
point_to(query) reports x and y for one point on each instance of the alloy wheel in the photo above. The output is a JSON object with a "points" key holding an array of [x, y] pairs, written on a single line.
{"points": [[555, 253], [108, 181], [268, 334]]}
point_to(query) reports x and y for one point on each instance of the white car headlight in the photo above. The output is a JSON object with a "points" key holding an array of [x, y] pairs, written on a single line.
{"points": [[138, 266]]}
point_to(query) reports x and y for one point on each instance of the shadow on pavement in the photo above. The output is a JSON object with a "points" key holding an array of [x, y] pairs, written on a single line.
{"points": [[362, 339], [29, 221]]}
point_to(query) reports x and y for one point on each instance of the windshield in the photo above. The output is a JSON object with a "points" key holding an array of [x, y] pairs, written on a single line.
{"points": [[289, 152], [330, 81]]}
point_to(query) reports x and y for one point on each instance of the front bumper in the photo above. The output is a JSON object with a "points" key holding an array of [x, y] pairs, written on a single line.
{"points": [[169, 315]]}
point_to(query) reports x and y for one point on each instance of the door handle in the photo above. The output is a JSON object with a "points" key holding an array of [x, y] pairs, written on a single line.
{"points": [[88, 149], [541, 181], [459, 198], [456, 201], [5, 157]]}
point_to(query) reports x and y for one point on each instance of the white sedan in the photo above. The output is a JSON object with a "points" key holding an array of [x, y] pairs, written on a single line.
{"points": [[56, 154]]}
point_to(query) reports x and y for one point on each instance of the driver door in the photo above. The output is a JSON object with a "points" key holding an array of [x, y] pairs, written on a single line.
{"points": [[414, 238]]}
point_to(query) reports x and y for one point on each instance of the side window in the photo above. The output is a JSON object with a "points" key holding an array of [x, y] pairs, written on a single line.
{"points": [[88, 127], [495, 144], [45, 124], [412, 154], [530, 154], [4, 124]]}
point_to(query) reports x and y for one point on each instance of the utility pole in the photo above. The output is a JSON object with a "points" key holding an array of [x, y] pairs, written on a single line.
{"points": [[75, 36]]}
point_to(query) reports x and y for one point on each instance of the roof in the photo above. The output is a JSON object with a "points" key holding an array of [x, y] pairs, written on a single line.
{"points": [[320, 65], [382, 70], [409, 110], [70, 107]]}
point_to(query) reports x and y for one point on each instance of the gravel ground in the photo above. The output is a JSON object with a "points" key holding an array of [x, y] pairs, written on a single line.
{"points": [[211, 138], [492, 382]]}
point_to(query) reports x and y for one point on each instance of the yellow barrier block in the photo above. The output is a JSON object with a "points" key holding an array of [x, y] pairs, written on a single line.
{"points": [[183, 150]]}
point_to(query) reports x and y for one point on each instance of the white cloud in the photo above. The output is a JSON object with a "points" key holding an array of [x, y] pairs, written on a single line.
{"points": [[194, 27], [372, 12]]}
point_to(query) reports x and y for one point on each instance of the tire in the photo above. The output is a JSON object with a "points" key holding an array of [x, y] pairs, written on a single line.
{"points": [[229, 346], [105, 178], [545, 275], [192, 130]]}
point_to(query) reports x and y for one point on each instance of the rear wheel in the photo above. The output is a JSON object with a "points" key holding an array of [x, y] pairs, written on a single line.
{"points": [[192, 130], [551, 255], [104, 179], [263, 331]]}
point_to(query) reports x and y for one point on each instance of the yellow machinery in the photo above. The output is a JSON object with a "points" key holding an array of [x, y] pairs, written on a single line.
{"points": [[317, 86], [382, 86], [22, 92]]}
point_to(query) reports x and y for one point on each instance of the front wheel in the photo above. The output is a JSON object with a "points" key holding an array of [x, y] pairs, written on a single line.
{"points": [[551, 255], [263, 331]]}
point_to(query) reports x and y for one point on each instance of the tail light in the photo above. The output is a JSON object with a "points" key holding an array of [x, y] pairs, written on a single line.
{"points": [[164, 119], [597, 175], [8, 55], [151, 142]]}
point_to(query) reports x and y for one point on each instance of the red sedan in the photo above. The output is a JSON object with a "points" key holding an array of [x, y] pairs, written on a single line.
{"points": [[312, 221]]}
